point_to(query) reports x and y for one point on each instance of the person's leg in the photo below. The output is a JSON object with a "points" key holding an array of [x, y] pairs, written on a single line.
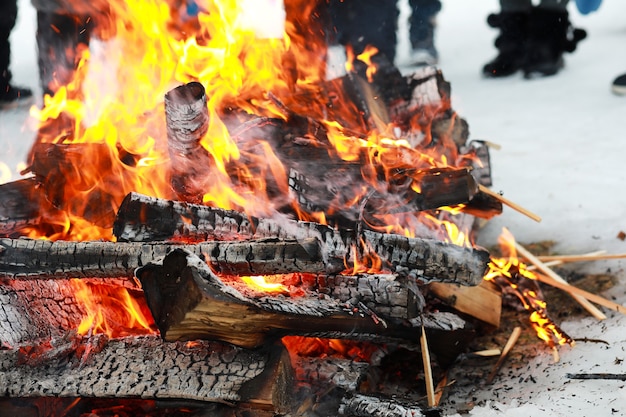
{"points": [[366, 22], [550, 36], [422, 31], [512, 21], [9, 94], [8, 16]]}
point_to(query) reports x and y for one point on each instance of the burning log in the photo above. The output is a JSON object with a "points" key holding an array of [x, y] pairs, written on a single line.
{"points": [[143, 218], [187, 120], [188, 301], [19, 206], [147, 367], [43, 259]]}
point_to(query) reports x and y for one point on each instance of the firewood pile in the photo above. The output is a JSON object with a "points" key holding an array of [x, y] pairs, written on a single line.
{"points": [[357, 308]]}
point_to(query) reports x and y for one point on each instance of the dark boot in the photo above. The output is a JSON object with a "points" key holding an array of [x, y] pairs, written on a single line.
{"points": [[550, 35], [511, 43]]}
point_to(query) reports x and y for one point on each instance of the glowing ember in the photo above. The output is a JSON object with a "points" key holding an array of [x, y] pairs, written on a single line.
{"points": [[259, 283]]}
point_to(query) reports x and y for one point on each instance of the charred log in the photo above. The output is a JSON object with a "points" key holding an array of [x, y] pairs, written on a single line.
{"points": [[423, 259], [188, 301], [147, 367], [187, 120], [43, 259]]}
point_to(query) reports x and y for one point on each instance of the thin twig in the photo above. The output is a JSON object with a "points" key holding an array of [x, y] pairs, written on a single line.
{"points": [[559, 260], [509, 203], [582, 258], [428, 372], [577, 292], [583, 301], [505, 352]]}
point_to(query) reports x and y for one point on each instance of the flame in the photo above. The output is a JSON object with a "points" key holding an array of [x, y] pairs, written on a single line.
{"points": [[509, 273], [111, 311], [112, 110], [259, 283], [113, 106]]}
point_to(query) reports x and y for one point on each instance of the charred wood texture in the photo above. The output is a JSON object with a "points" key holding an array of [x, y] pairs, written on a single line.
{"points": [[143, 218], [147, 367], [359, 405], [42, 259], [19, 206], [187, 120], [40, 309], [188, 301]]}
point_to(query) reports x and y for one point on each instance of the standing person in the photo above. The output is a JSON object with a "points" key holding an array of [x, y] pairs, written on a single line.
{"points": [[10, 95], [532, 38], [422, 24]]}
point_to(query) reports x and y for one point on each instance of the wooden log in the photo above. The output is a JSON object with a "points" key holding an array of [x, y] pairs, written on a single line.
{"points": [[43, 259], [43, 309], [147, 367], [387, 295], [187, 120], [188, 301], [423, 259], [483, 301]]}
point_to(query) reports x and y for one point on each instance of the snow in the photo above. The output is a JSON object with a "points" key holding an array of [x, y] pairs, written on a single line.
{"points": [[563, 142]]}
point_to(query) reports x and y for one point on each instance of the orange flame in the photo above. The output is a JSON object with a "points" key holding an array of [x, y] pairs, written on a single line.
{"points": [[509, 273], [112, 311]]}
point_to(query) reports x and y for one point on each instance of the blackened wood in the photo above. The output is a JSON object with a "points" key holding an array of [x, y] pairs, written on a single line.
{"points": [[187, 120], [43, 259], [423, 259], [57, 168], [48, 308], [188, 301], [359, 405], [19, 206], [388, 296], [142, 367]]}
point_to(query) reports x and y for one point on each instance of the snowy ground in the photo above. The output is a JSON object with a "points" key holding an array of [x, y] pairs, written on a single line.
{"points": [[563, 150]]}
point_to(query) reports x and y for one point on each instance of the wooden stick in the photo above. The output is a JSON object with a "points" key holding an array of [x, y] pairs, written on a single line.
{"points": [[509, 203], [618, 377], [505, 352], [582, 258], [583, 301], [577, 292], [428, 372], [559, 260]]}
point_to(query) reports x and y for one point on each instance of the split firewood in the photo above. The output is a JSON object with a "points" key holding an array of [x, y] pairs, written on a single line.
{"points": [[143, 218], [43, 259], [189, 301], [483, 301], [199, 370]]}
